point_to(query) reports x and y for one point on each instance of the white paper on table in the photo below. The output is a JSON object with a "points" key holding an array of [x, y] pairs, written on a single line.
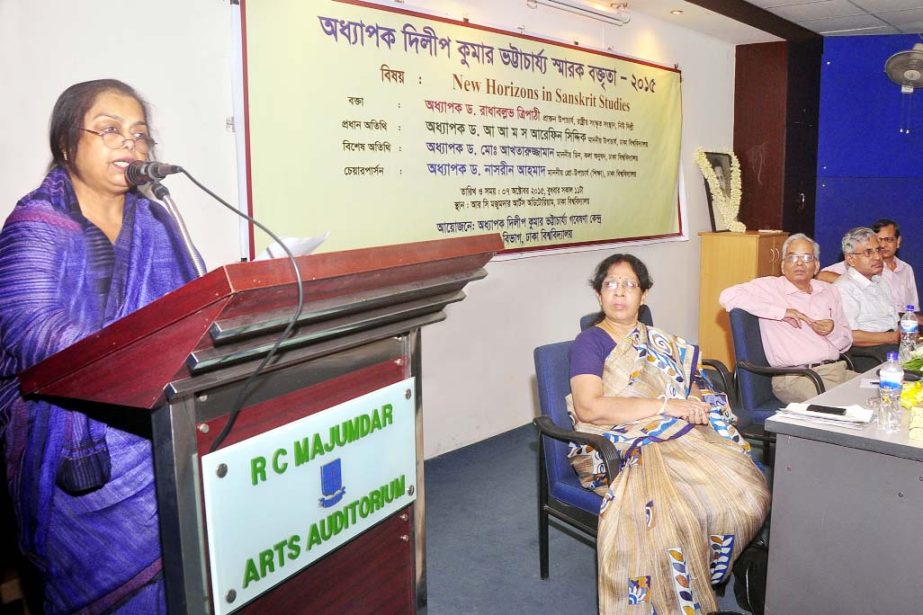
{"points": [[868, 383], [299, 246], [854, 413]]}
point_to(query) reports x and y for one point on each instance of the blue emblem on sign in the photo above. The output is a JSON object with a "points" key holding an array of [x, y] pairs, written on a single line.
{"points": [[331, 480]]}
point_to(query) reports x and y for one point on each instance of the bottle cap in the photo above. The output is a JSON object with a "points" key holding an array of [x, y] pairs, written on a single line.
{"points": [[892, 356]]}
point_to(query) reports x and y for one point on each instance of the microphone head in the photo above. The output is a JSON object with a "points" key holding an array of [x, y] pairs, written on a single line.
{"points": [[139, 172], [136, 174]]}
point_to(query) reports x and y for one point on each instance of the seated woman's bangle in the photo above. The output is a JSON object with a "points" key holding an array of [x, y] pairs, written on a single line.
{"points": [[695, 397], [663, 406]]}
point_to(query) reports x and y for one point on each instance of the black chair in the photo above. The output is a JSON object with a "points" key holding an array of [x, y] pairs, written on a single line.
{"points": [[560, 494], [867, 357], [753, 375]]}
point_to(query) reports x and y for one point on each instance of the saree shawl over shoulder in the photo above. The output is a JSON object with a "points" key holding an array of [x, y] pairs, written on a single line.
{"points": [[83, 490], [688, 497]]}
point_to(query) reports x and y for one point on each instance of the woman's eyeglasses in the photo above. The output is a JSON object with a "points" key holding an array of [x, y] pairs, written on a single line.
{"points": [[807, 259], [113, 139], [869, 252], [628, 285]]}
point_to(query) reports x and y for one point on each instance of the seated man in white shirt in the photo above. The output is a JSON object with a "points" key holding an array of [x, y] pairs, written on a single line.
{"points": [[867, 299], [897, 273], [802, 323]]}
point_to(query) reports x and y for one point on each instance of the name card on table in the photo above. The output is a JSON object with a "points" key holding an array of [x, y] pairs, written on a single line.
{"points": [[277, 502]]}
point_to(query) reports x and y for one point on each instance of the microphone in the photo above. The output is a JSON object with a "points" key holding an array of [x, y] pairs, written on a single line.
{"points": [[141, 172]]}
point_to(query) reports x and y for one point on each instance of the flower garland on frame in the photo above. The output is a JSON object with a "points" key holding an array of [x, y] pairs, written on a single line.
{"points": [[726, 204]]}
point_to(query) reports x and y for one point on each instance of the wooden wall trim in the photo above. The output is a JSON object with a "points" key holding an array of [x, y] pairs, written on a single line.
{"points": [[760, 114], [759, 18]]}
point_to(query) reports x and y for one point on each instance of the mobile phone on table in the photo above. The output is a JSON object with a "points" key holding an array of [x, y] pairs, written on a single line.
{"points": [[826, 409]]}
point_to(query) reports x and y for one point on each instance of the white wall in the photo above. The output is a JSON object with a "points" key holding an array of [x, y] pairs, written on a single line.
{"points": [[176, 53], [477, 365]]}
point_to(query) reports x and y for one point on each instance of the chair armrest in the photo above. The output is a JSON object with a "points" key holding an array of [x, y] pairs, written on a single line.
{"points": [[608, 452], [727, 381], [869, 352], [848, 359], [778, 371]]}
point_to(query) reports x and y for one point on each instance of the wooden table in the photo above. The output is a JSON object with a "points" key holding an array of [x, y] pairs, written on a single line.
{"points": [[847, 516]]}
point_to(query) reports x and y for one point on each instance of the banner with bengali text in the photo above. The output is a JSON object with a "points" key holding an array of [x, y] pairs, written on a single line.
{"points": [[386, 126]]}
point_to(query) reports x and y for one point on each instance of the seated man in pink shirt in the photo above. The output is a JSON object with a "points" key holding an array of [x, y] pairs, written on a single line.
{"points": [[802, 323]]}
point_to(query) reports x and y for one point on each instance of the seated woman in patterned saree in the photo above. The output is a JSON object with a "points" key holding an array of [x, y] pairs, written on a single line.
{"points": [[688, 497]]}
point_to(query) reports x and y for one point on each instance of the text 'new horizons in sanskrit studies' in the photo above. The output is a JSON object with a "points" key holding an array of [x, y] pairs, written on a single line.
{"points": [[425, 128]]}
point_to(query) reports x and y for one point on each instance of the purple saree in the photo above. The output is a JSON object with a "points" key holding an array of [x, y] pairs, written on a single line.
{"points": [[83, 489]]}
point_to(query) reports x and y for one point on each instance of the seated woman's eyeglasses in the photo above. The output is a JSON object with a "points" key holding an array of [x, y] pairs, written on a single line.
{"points": [[869, 252], [804, 258], [628, 285], [113, 139]]}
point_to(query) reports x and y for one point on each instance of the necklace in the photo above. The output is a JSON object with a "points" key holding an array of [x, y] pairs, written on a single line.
{"points": [[611, 329]]}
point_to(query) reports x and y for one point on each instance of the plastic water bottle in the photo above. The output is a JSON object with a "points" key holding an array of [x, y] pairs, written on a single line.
{"points": [[890, 384], [908, 326], [890, 376]]}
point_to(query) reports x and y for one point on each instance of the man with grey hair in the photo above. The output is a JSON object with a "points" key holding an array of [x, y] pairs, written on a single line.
{"points": [[897, 273], [867, 298], [802, 323]]}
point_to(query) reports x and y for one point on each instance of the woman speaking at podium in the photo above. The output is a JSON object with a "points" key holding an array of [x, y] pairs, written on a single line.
{"points": [[81, 251]]}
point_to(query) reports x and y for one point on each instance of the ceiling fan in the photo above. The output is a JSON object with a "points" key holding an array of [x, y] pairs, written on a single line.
{"points": [[905, 68]]}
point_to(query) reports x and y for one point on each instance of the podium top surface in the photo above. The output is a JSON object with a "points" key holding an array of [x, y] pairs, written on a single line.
{"points": [[131, 361]]}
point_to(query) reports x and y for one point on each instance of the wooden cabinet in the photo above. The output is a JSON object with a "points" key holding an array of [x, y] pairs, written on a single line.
{"points": [[728, 259]]}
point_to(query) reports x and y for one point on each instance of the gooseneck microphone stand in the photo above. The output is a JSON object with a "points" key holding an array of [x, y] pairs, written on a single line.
{"points": [[161, 193]]}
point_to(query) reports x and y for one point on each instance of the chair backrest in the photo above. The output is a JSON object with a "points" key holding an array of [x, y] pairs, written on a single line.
{"points": [[754, 391], [644, 315], [552, 373]]}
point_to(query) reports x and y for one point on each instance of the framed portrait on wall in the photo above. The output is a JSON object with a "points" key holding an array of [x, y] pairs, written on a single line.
{"points": [[721, 167], [721, 172]]}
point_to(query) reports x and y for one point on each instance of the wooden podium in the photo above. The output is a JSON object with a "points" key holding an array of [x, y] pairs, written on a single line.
{"points": [[184, 359]]}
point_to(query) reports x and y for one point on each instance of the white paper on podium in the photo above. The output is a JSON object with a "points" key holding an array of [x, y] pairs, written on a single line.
{"points": [[299, 246]]}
